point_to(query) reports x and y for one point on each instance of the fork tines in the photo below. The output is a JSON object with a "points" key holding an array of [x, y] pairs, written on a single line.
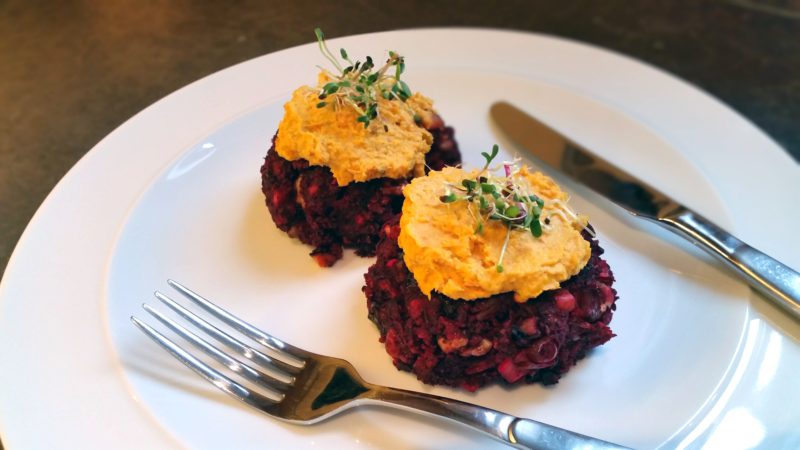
{"points": [[274, 373]]}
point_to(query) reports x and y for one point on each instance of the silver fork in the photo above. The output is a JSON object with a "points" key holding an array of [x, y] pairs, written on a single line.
{"points": [[301, 387]]}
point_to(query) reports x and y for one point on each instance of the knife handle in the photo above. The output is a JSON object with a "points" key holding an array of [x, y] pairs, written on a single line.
{"points": [[778, 282]]}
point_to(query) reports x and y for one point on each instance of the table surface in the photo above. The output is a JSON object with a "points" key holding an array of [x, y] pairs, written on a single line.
{"points": [[73, 71]]}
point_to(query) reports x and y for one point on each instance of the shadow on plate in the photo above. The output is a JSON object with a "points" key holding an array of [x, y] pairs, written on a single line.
{"points": [[268, 249]]}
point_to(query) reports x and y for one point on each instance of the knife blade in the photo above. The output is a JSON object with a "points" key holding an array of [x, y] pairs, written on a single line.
{"points": [[778, 282]]}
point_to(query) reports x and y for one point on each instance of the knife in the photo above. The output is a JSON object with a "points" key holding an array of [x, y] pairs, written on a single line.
{"points": [[778, 282]]}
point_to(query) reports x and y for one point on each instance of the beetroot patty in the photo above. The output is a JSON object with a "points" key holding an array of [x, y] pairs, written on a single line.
{"points": [[306, 202], [468, 344]]}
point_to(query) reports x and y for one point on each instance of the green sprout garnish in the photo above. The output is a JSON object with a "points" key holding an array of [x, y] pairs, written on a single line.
{"points": [[507, 199], [359, 84]]}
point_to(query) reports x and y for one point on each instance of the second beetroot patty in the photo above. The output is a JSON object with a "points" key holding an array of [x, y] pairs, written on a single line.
{"points": [[469, 344], [306, 202]]}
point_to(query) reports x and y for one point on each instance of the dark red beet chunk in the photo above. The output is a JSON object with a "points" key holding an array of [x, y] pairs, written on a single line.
{"points": [[306, 202], [469, 344]]}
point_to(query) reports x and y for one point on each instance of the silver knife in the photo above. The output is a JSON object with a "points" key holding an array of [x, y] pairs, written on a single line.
{"points": [[775, 280]]}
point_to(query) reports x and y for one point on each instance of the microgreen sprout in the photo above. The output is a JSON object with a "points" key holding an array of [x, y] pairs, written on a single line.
{"points": [[359, 85], [507, 199]]}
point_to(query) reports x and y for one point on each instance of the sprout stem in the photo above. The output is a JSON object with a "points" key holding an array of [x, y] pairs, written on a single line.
{"points": [[507, 199], [360, 85], [503, 250]]}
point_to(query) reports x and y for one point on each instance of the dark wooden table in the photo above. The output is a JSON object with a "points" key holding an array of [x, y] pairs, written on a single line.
{"points": [[72, 71]]}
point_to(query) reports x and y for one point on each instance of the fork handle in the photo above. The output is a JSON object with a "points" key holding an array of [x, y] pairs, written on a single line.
{"points": [[514, 431]]}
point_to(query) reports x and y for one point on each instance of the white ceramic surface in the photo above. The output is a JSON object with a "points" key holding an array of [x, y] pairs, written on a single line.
{"points": [[698, 361]]}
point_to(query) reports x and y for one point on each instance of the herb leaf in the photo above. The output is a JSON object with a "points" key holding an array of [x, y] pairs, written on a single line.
{"points": [[507, 200], [363, 78]]}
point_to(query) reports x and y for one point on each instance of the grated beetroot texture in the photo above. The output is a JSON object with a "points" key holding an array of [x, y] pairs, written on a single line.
{"points": [[469, 344], [306, 202]]}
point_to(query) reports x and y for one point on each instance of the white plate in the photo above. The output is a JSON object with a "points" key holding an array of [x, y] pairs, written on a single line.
{"points": [[174, 192]]}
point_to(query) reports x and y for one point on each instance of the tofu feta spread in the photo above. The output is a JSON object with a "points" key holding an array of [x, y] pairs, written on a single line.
{"points": [[444, 253]]}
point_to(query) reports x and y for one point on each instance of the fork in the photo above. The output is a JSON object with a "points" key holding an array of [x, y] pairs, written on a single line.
{"points": [[301, 387]]}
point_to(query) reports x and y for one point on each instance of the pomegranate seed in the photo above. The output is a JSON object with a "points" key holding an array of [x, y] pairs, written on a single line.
{"points": [[277, 198], [386, 287], [324, 259], [529, 326], [607, 293], [565, 301], [394, 346], [509, 371], [415, 308], [470, 387], [604, 273]]}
